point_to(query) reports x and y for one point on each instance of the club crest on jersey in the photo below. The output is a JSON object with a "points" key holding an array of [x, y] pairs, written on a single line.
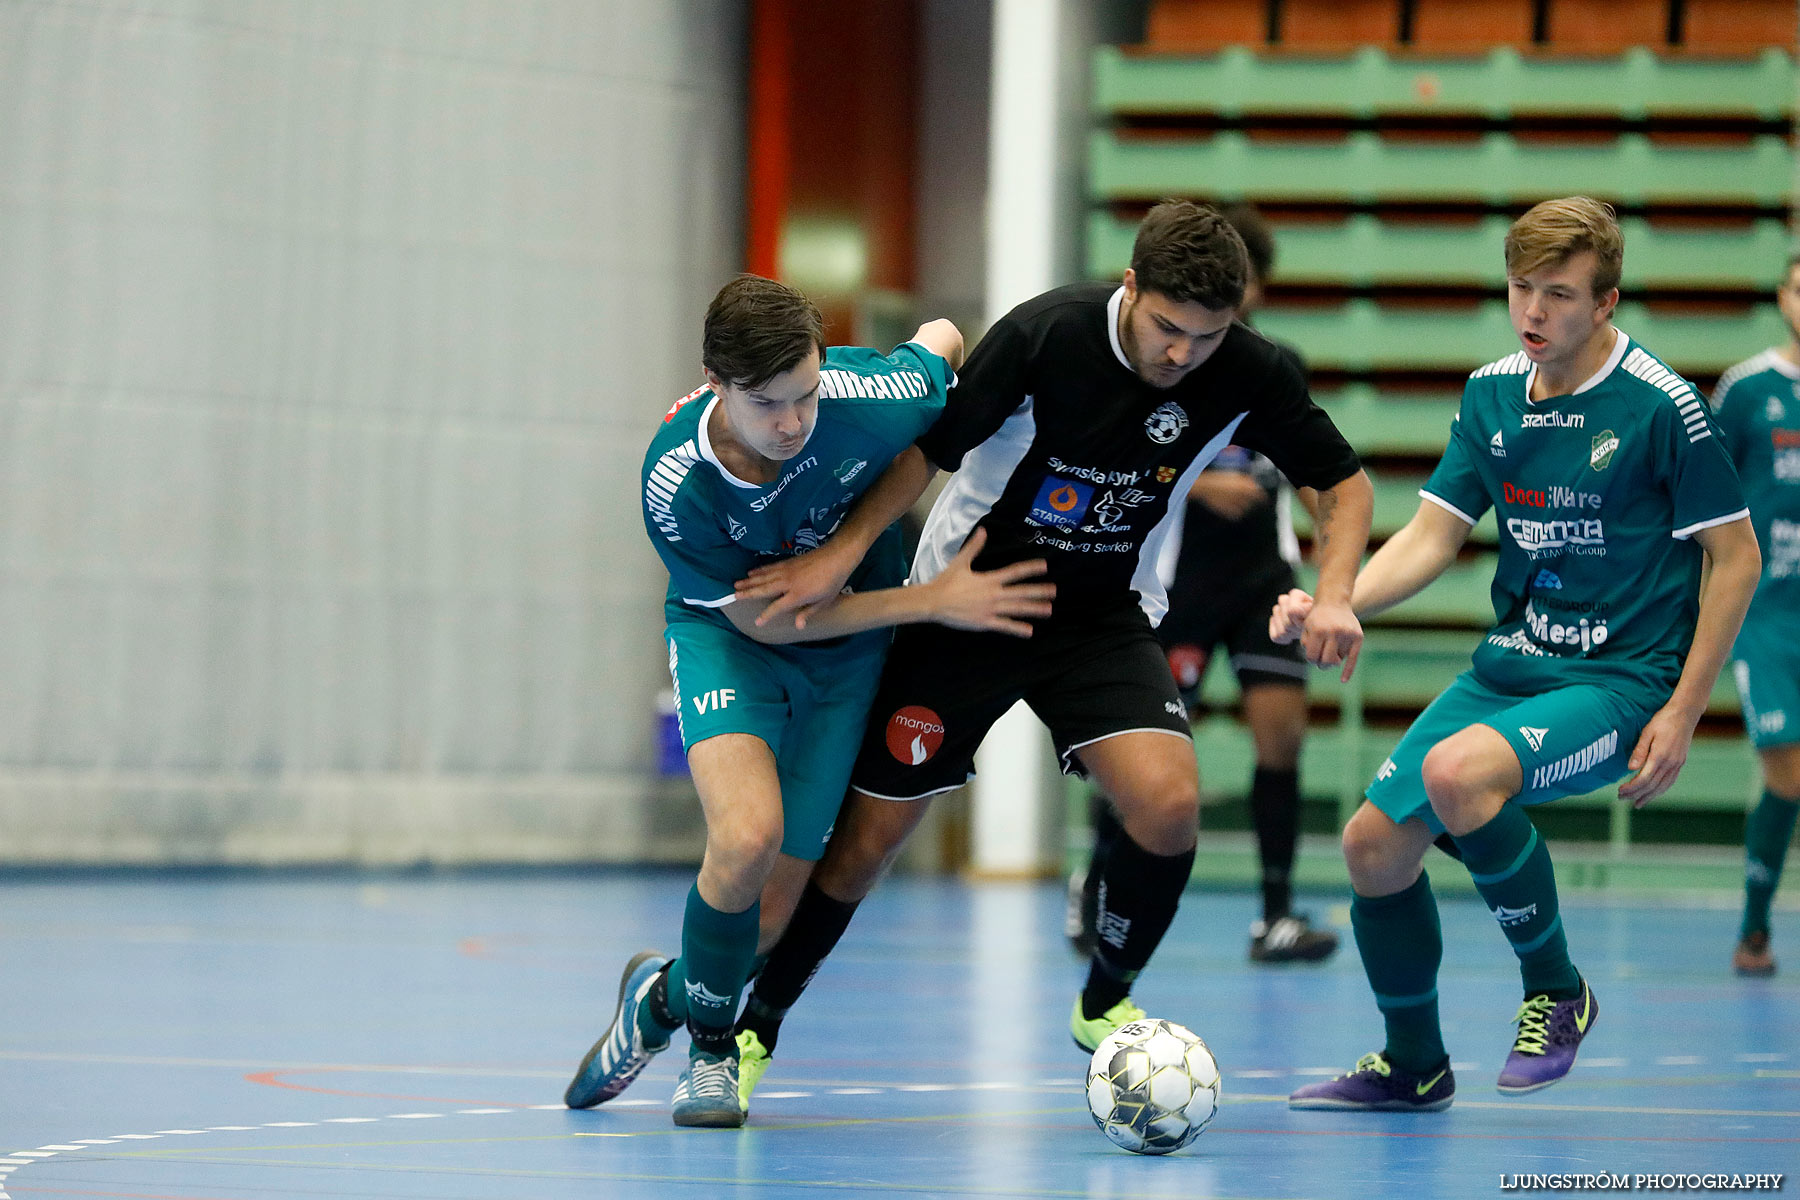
{"points": [[1166, 423], [1165, 474], [1778, 411], [1605, 442], [1061, 502]]}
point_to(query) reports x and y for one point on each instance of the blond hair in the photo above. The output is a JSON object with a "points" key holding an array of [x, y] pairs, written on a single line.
{"points": [[1555, 231]]}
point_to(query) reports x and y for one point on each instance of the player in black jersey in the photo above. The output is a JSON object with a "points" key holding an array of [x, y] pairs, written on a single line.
{"points": [[1237, 552], [1083, 415]]}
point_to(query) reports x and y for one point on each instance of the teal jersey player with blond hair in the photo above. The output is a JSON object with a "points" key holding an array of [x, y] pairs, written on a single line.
{"points": [[1611, 486], [1757, 406], [760, 465]]}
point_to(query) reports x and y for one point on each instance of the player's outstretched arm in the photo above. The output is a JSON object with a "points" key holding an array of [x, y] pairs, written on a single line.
{"points": [[1662, 748], [795, 587], [1331, 633], [999, 601], [1409, 560]]}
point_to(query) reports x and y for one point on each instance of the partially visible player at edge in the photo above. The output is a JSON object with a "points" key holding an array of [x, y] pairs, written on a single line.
{"points": [[1757, 406], [1611, 488], [1086, 413], [761, 464]]}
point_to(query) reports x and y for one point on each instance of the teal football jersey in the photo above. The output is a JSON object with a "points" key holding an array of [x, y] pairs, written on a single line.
{"points": [[1757, 406], [711, 528], [1597, 496]]}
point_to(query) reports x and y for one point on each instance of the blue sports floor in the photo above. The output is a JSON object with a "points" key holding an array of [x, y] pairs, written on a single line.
{"points": [[235, 1037]]}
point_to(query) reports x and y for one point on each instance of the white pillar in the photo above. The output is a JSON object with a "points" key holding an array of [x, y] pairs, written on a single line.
{"points": [[1010, 799]]}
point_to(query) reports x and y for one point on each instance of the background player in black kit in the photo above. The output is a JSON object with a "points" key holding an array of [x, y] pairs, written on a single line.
{"points": [[1082, 416], [1236, 554]]}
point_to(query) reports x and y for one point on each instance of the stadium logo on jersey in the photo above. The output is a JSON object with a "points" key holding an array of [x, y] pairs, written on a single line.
{"points": [[735, 528], [1553, 420], [849, 469], [1496, 447], [1061, 502], [1534, 736], [762, 502], [1605, 442], [1547, 580], [1166, 423], [1165, 474], [914, 734]]}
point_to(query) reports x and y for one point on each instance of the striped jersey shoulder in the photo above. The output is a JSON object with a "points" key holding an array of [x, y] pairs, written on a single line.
{"points": [[1756, 364], [854, 373], [664, 473], [1641, 364], [1513, 364]]}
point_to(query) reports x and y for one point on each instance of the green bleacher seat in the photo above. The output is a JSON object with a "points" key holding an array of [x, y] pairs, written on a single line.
{"points": [[1362, 250], [1494, 168], [1381, 423], [1361, 335], [1239, 82]]}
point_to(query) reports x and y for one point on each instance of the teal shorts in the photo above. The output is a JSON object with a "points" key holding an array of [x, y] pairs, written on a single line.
{"points": [[1767, 668], [808, 703], [1569, 741]]}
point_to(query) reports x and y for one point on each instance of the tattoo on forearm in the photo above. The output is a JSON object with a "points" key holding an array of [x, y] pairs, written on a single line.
{"points": [[1327, 507]]}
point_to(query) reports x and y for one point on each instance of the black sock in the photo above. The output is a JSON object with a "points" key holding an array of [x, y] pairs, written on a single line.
{"points": [[1139, 892], [1275, 811], [1107, 831], [818, 922]]}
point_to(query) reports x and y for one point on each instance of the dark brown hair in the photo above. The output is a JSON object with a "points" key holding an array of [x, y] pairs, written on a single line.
{"points": [[757, 329], [1551, 233], [1192, 255]]}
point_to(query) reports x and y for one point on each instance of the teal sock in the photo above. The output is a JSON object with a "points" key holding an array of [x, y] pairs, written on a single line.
{"points": [[1767, 832], [1511, 868], [1401, 944], [704, 984]]}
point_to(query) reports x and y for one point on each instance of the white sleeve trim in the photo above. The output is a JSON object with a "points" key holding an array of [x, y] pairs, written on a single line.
{"points": [[720, 603], [1447, 506], [1690, 530]]}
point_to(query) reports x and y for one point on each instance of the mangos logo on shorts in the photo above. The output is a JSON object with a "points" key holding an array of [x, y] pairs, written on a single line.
{"points": [[1061, 502], [914, 734]]}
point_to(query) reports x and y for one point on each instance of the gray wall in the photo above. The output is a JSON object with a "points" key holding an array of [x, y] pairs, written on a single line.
{"points": [[331, 334]]}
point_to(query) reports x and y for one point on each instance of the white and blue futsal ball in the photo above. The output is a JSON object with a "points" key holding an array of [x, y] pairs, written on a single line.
{"points": [[1152, 1086]]}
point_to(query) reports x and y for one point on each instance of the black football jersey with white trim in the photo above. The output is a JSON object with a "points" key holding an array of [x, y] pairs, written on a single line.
{"points": [[1062, 452]]}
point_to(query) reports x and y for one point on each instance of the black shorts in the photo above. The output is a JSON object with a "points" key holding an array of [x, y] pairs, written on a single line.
{"points": [[1238, 619], [943, 689]]}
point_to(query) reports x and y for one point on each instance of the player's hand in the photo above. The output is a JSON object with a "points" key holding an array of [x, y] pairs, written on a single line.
{"points": [[990, 601], [800, 584], [1332, 635], [1288, 616], [1660, 753], [1231, 494]]}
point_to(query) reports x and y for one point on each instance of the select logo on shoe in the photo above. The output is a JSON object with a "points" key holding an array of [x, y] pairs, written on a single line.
{"points": [[1514, 916], [1534, 736], [914, 734], [1421, 1088]]}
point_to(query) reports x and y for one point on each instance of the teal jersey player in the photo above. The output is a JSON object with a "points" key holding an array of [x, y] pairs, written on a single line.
{"points": [[758, 466], [712, 528], [1612, 489], [1757, 406], [1597, 495]]}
